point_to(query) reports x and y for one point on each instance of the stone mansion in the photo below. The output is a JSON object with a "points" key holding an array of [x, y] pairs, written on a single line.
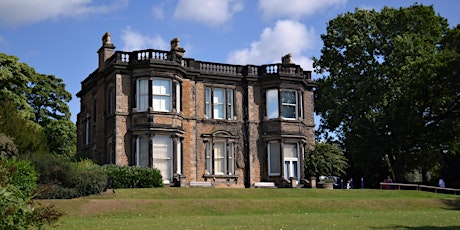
{"points": [[197, 122]]}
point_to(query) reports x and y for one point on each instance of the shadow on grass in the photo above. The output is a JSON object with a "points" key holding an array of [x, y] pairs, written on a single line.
{"points": [[454, 204], [421, 227]]}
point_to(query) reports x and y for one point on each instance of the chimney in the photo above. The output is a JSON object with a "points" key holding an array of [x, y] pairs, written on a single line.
{"points": [[175, 47], [286, 59], [106, 50]]}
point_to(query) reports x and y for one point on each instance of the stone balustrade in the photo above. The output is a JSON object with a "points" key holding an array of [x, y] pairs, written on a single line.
{"points": [[292, 70]]}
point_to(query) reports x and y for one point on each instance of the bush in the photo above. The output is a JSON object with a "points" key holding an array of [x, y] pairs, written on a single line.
{"points": [[17, 211], [133, 177], [89, 178], [63, 179], [19, 173]]}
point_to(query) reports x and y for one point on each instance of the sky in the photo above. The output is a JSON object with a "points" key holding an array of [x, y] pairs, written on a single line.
{"points": [[62, 38]]}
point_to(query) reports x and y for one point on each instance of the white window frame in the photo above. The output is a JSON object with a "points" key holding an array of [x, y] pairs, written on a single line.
{"points": [[160, 141], [228, 158], [154, 160], [275, 105], [179, 157], [159, 96], [178, 97], [218, 103], [219, 109], [142, 98], [286, 104], [272, 103], [288, 172], [163, 96]]}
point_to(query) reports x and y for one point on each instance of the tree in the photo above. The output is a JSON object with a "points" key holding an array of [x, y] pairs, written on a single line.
{"points": [[36, 103], [27, 135], [326, 159], [390, 90]]}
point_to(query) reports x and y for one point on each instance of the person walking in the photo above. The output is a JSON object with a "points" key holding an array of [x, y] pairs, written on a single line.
{"points": [[441, 184]]}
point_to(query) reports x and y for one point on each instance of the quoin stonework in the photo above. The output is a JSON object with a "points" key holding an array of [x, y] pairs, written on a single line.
{"points": [[198, 122]]}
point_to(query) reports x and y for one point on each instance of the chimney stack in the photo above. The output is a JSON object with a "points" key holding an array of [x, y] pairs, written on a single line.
{"points": [[106, 50], [175, 47], [286, 59]]}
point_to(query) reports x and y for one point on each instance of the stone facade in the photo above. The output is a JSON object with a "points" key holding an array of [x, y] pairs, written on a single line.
{"points": [[231, 125]]}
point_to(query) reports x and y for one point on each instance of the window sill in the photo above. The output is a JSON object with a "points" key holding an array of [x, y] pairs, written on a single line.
{"points": [[219, 176]]}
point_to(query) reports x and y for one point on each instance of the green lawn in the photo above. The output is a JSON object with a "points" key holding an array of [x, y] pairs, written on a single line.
{"points": [[210, 208]]}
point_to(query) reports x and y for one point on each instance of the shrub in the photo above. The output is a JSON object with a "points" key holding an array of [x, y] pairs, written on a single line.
{"points": [[133, 177], [89, 178], [63, 179], [17, 211]]}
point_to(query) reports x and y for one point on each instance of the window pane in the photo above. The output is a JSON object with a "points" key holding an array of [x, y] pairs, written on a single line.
{"points": [[143, 151], [230, 160], [294, 169], [290, 150], [289, 102], [179, 157], [288, 97], [161, 103], [142, 95], [230, 104], [288, 111], [274, 158], [161, 86], [219, 158], [208, 158], [272, 103], [208, 102], [161, 91], [162, 152], [218, 102], [287, 169], [178, 97]]}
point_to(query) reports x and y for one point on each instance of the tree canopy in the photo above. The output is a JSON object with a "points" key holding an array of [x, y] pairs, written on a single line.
{"points": [[325, 160], [34, 110], [389, 90]]}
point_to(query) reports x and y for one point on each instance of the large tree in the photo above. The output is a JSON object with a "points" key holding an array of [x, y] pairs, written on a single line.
{"points": [[389, 90], [34, 105]]}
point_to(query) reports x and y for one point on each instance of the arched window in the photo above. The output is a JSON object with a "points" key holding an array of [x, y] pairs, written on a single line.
{"points": [[220, 153]]}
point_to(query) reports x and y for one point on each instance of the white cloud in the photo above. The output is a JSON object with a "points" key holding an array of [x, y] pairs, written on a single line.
{"points": [[3, 42], [18, 12], [287, 36], [209, 12], [136, 41], [157, 12], [295, 9]]}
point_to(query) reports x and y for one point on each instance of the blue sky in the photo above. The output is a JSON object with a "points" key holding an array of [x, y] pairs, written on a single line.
{"points": [[62, 37]]}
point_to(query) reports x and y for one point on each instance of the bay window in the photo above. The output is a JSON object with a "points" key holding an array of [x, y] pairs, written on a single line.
{"points": [[289, 105], [158, 93], [288, 155], [158, 152]]}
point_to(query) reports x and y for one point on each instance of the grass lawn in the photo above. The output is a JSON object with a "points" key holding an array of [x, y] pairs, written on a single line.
{"points": [[212, 208]]}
